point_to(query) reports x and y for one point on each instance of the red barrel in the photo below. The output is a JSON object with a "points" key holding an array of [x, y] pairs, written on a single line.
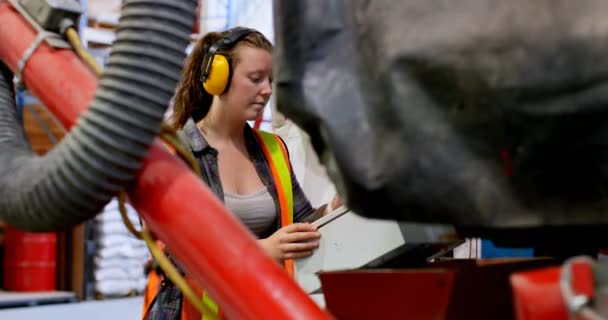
{"points": [[29, 260]]}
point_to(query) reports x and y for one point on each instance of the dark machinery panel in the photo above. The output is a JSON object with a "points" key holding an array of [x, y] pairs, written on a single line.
{"points": [[485, 114]]}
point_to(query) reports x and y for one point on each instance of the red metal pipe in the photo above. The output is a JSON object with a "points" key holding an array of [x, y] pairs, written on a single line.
{"points": [[207, 239]]}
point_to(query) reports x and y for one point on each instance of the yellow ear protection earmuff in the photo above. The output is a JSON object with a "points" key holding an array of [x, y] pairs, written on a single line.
{"points": [[217, 68]]}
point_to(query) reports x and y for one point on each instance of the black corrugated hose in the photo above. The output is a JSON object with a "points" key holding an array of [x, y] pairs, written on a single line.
{"points": [[103, 152]]}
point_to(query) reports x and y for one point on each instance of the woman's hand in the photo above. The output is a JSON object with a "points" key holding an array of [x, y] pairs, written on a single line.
{"points": [[291, 242]]}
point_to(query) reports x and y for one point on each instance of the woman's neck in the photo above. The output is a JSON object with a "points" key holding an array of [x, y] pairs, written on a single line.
{"points": [[221, 127]]}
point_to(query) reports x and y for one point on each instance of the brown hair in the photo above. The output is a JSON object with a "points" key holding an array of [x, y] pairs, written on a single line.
{"points": [[191, 99]]}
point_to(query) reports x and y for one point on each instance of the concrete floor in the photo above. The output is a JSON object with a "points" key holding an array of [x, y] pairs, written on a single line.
{"points": [[113, 309]]}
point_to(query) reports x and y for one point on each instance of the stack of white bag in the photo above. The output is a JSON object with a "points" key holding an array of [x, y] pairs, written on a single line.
{"points": [[120, 257]]}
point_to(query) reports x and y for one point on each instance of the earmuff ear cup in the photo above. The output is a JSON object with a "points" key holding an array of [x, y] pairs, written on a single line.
{"points": [[219, 75]]}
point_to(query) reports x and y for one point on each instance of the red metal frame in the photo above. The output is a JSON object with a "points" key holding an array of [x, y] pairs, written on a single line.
{"points": [[389, 294], [208, 241]]}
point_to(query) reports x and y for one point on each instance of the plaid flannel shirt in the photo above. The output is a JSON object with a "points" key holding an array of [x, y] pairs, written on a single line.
{"points": [[167, 304]]}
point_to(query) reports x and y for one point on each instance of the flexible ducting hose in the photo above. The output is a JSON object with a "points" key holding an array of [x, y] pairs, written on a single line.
{"points": [[103, 152]]}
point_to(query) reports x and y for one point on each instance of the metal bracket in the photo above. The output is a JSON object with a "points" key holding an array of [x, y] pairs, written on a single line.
{"points": [[52, 39], [18, 78]]}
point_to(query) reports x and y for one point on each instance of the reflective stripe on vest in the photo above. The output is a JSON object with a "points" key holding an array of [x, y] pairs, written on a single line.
{"points": [[278, 161], [276, 154]]}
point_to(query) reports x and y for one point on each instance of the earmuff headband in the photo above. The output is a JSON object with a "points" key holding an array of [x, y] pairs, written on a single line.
{"points": [[226, 42]]}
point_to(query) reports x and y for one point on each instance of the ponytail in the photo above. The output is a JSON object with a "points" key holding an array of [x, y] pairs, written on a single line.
{"points": [[191, 100]]}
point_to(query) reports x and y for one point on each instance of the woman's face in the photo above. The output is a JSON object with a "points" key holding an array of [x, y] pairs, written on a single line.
{"points": [[251, 84]]}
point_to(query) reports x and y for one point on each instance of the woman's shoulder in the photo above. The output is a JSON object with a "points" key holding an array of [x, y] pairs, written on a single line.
{"points": [[191, 136]]}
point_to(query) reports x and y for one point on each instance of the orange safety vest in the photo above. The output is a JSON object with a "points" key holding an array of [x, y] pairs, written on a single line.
{"points": [[278, 160]]}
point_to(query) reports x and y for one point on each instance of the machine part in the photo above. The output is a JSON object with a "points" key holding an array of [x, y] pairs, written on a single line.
{"points": [[450, 289], [50, 14], [204, 237], [570, 291], [451, 113], [51, 38], [101, 155], [344, 247], [578, 300]]}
